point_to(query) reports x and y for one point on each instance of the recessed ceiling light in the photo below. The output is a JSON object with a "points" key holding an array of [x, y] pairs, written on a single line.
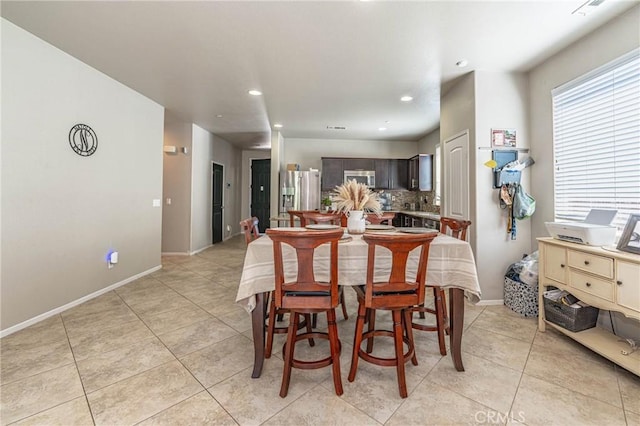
{"points": [[406, 98], [254, 92], [382, 129], [463, 63], [278, 126], [219, 115]]}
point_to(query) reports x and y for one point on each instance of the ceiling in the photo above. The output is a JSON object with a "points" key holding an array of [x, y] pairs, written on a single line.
{"points": [[318, 64]]}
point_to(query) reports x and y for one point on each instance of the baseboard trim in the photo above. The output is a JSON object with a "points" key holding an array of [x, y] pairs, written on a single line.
{"points": [[490, 302], [200, 250], [174, 253], [76, 302]]}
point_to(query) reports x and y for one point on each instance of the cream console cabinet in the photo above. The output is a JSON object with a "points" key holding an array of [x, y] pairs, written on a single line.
{"points": [[608, 280]]}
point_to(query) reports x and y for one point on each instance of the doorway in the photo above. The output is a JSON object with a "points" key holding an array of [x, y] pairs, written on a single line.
{"points": [[261, 192], [456, 176], [217, 203]]}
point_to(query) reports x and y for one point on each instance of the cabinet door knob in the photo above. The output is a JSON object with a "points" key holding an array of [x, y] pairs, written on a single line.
{"points": [[619, 282], [562, 265], [586, 262], [588, 284]]}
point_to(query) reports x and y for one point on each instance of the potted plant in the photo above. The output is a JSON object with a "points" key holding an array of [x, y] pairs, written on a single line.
{"points": [[326, 203], [353, 199]]}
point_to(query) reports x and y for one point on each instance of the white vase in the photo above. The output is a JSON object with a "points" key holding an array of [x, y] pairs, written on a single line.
{"points": [[355, 222]]}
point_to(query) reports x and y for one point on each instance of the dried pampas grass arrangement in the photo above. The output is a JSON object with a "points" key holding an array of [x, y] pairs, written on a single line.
{"points": [[356, 196]]}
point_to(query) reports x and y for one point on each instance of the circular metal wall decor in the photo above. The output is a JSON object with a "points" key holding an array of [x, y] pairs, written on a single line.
{"points": [[83, 140]]}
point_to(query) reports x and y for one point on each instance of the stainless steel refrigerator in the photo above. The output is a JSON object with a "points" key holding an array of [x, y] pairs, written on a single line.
{"points": [[299, 190]]}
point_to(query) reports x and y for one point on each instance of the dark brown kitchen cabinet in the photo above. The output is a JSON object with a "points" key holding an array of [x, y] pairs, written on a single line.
{"points": [[358, 164], [381, 167], [420, 173], [398, 170], [332, 173]]}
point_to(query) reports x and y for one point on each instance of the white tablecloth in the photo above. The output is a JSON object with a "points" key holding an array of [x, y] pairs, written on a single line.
{"points": [[451, 264]]}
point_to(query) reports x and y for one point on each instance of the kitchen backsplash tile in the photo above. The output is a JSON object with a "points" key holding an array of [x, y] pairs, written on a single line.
{"points": [[400, 198]]}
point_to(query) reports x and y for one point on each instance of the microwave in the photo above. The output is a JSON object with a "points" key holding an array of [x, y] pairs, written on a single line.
{"points": [[368, 177]]}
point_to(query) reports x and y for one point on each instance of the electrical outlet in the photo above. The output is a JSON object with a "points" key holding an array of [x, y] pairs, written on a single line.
{"points": [[228, 228]]}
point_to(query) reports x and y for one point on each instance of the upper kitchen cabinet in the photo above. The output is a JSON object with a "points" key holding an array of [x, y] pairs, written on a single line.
{"points": [[381, 168], [398, 174], [332, 173], [358, 164], [420, 173]]}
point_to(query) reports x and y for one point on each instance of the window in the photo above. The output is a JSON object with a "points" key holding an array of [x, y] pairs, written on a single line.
{"points": [[436, 201], [596, 134]]}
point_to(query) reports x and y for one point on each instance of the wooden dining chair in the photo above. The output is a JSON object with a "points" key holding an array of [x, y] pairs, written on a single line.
{"points": [[330, 219], [293, 214], [396, 295], [306, 295], [385, 218], [322, 218], [250, 229], [457, 229]]}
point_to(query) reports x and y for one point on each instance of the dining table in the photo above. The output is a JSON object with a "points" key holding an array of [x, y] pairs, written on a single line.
{"points": [[451, 265]]}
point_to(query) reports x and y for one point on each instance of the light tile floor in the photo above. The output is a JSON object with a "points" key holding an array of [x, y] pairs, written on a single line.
{"points": [[174, 348]]}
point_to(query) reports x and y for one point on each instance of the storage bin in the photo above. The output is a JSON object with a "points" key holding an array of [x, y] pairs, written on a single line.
{"points": [[573, 319], [520, 297]]}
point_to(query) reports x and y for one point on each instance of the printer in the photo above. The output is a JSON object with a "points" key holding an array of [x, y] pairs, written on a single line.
{"points": [[596, 230]]}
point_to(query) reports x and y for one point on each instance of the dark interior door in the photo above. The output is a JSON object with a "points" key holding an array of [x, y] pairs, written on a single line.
{"points": [[216, 210], [261, 192]]}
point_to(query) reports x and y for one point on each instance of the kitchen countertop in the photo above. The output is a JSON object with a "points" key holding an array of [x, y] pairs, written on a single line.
{"points": [[417, 213]]}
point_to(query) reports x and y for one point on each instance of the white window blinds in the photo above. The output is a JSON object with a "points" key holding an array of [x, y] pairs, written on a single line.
{"points": [[596, 132]]}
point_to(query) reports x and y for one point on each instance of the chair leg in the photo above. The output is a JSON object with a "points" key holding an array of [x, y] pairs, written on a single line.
{"points": [[288, 353], [270, 327], [307, 320], [357, 341], [421, 313], [344, 306], [397, 335], [372, 325], [406, 316], [439, 306], [445, 317], [335, 350]]}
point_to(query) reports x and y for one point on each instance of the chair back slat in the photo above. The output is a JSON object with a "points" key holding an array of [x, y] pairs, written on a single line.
{"points": [[397, 291], [306, 292], [386, 218], [317, 217], [457, 228]]}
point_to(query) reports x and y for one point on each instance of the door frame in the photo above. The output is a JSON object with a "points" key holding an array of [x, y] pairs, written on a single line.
{"points": [[224, 172]]}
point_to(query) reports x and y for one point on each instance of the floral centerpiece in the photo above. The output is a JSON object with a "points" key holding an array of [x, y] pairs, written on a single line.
{"points": [[353, 199], [356, 196]]}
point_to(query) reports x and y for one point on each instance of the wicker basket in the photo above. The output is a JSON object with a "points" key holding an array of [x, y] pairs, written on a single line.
{"points": [[573, 319]]}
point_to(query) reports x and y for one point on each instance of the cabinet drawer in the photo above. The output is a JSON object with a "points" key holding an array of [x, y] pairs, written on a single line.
{"points": [[555, 262], [628, 285], [591, 284], [592, 263]]}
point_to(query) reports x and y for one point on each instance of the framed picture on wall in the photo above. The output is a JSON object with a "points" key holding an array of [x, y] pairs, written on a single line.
{"points": [[503, 138], [630, 238]]}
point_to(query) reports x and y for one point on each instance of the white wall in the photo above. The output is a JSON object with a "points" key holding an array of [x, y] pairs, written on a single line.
{"points": [[209, 148], [62, 213], [201, 189], [607, 43], [247, 157], [479, 102], [308, 152], [501, 102], [176, 186], [277, 163], [427, 145]]}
